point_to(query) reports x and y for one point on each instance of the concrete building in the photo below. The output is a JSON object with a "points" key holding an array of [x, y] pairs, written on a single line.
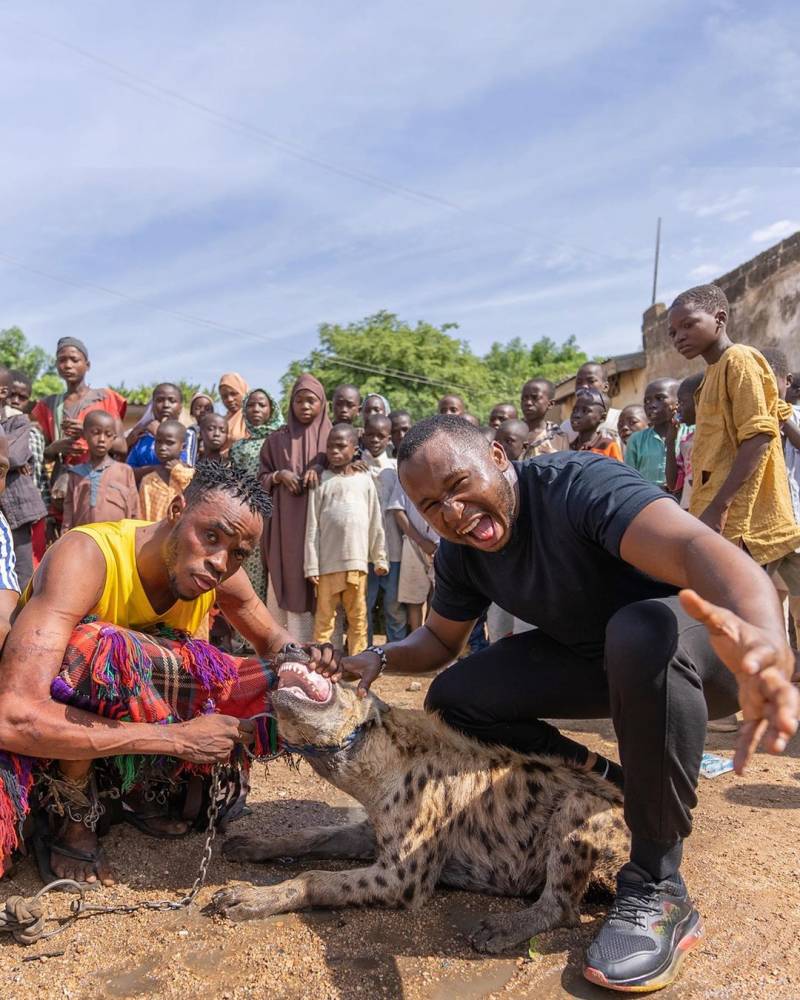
{"points": [[764, 297]]}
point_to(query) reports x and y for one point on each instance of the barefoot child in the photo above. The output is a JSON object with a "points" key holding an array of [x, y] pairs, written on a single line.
{"points": [[344, 534], [586, 419], [170, 477], [100, 489]]}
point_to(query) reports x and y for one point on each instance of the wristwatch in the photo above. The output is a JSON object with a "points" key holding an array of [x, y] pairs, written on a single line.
{"points": [[381, 653]]}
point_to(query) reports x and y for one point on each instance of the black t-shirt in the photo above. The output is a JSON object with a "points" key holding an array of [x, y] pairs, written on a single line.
{"points": [[561, 569]]}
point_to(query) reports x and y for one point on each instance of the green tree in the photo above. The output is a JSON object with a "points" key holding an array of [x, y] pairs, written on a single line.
{"points": [[38, 365], [512, 364], [142, 394], [413, 366]]}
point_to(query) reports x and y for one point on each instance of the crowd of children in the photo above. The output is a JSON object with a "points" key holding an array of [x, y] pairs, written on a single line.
{"points": [[343, 537]]}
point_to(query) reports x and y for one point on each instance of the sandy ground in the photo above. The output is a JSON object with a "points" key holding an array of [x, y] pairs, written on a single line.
{"points": [[742, 865]]}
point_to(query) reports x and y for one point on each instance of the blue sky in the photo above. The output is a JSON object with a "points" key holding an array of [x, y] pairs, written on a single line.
{"points": [[215, 160]]}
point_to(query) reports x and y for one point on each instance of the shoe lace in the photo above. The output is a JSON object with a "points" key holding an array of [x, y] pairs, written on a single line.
{"points": [[633, 904]]}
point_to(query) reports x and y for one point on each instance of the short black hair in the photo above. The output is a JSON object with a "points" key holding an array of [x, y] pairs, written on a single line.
{"points": [[708, 298], [399, 413], [691, 382], [777, 361], [671, 383], [18, 376], [94, 415], [172, 425], [442, 423], [219, 477], [346, 428], [374, 417], [169, 385], [549, 387], [512, 426], [212, 414], [348, 385]]}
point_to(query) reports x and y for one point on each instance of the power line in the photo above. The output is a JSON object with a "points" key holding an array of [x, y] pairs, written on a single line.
{"points": [[294, 149], [224, 328]]}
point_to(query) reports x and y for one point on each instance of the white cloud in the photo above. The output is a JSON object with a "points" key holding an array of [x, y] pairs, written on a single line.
{"points": [[777, 231]]}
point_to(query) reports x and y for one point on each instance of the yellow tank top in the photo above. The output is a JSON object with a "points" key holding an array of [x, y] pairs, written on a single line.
{"points": [[124, 601]]}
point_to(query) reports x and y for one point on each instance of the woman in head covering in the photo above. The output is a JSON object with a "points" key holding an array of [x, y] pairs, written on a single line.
{"points": [[290, 459], [232, 390], [261, 417], [374, 403]]}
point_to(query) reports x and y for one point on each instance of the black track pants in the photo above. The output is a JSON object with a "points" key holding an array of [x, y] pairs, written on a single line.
{"points": [[660, 682]]}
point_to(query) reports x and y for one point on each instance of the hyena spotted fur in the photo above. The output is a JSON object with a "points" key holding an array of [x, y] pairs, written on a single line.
{"points": [[443, 809]]}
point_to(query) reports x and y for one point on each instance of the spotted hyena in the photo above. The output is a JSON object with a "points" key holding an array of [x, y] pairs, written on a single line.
{"points": [[442, 809]]}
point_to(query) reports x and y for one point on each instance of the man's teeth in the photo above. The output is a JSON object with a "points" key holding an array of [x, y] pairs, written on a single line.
{"points": [[473, 524]]}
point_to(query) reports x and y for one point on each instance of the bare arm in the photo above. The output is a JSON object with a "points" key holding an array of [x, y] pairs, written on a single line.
{"points": [[734, 598], [748, 457], [791, 432], [8, 604], [672, 457], [407, 528], [241, 606], [32, 723], [437, 643]]}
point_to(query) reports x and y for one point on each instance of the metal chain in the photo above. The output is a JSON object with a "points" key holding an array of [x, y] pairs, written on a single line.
{"points": [[25, 917]]}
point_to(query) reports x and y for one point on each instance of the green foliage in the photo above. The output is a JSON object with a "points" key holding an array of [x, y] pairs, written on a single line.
{"points": [[38, 365], [375, 353], [512, 364], [386, 343], [142, 394]]}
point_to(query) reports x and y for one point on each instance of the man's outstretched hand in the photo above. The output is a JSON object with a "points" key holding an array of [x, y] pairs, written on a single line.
{"points": [[763, 669]]}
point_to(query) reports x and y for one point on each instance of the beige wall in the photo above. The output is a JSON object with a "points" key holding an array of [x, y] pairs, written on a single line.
{"points": [[764, 295]]}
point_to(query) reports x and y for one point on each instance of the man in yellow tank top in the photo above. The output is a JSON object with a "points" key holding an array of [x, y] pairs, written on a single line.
{"points": [[135, 575]]}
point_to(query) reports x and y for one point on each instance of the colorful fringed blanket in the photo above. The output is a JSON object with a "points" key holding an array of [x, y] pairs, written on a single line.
{"points": [[133, 677]]}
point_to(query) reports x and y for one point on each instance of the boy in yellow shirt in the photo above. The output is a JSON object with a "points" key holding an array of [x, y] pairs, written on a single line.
{"points": [[740, 487]]}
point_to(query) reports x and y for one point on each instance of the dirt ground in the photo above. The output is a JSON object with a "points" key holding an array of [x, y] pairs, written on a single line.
{"points": [[742, 866]]}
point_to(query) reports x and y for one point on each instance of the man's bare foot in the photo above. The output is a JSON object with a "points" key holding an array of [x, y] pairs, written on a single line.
{"points": [[79, 838]]}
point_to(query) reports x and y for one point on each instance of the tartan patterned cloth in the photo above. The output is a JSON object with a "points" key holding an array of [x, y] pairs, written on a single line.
{"points": [[136, 677]]}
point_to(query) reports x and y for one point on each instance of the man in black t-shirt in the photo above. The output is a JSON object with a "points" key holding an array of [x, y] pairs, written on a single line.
{"points": [[593, 556]]}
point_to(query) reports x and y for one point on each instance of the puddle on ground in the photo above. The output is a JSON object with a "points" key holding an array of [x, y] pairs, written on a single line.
{"points": [[139, 981], [490, 976]]}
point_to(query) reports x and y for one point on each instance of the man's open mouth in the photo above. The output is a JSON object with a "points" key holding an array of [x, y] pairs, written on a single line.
{"points": [[304, 683], [481, 528]]}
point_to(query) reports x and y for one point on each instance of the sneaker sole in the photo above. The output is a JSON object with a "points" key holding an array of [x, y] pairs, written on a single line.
{"points": [[664, 977]]}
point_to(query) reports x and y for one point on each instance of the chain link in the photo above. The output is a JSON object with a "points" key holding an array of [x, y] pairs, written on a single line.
{"points": [[25, 918]]}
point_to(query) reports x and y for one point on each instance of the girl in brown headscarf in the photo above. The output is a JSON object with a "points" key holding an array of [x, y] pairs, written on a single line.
{"points": [[289, 462], [232, 390]]}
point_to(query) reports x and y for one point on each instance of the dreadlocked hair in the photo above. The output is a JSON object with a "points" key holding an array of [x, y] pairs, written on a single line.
{"points": [[219, 477], [708, 298]]}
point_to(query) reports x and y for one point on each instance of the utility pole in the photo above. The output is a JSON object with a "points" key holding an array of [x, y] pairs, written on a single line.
{"points": [[655, 264]]}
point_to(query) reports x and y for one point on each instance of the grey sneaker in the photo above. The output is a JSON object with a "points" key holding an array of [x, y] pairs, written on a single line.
{"points": [[648, 931]]}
